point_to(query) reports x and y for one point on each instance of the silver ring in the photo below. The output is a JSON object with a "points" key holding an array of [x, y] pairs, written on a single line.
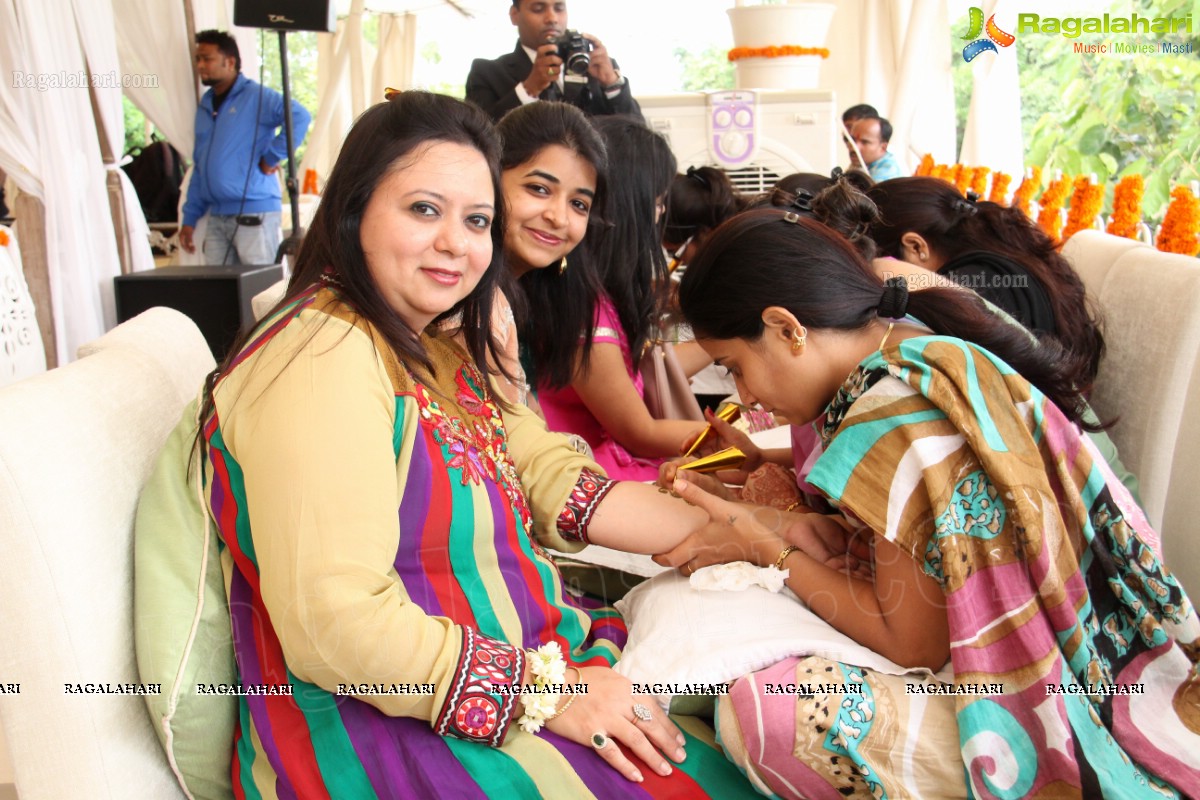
{"points": [[642, 713], [599, 740]]}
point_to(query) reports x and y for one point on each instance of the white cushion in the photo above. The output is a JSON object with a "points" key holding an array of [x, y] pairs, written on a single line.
{"points": [[678, 634], [78, 444], [265, 300]]}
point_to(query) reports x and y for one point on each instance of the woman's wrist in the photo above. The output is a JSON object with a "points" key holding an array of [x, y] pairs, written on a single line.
{"points": [[545, 668]]}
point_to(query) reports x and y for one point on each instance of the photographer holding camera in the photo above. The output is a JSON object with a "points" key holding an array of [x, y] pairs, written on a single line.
{"points": [[550, 62]]}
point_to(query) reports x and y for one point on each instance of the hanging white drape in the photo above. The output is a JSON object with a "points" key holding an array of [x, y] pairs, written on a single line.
{"points": [[895, 55], [18, 139], [923, 96], [341, 91], [97, 33], [81, 248], [152, 40], [993, 135], [394, 60]]}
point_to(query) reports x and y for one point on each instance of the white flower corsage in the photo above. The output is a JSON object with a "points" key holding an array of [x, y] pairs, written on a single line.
{"points": [[547, 668]]}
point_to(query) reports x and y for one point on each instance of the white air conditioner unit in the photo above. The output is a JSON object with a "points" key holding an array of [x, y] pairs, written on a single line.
{"points": [[756, 136]]}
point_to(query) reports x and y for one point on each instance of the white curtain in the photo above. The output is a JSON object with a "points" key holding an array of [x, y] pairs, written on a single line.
{"points": [[394, 60], [152, 40], [18, 138], [993, 136], [61, 150], [341, 91], [97, 33], [895, 55]]}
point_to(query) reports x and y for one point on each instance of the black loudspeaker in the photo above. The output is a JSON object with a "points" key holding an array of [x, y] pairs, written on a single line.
{"points": [[217, 298], [286, 15]]}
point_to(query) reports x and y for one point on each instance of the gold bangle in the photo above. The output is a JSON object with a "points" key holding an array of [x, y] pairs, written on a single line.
{"points": [[570, 699], [792, 506], [787, 551]]}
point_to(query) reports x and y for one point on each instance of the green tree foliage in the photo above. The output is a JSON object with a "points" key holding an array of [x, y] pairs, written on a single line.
{"points": [[302, 72], [135, 125], [709, 70], [1108, 114]]}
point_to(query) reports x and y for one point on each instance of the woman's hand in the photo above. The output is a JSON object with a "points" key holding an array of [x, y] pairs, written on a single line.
{"points": [[759, 534], [709, 483], [607, 709]]}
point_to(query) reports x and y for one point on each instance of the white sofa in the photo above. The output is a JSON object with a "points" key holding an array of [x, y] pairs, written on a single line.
{"points": [[78, 443], [1150, 380]]}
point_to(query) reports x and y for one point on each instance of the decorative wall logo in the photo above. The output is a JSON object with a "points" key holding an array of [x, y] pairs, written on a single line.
{"points": [[995, 36]]}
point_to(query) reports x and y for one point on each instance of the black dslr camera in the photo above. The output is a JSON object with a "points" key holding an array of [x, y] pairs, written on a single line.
{"points": [[573, 49]]}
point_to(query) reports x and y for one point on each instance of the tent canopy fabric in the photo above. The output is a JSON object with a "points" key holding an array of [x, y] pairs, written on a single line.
{"points": [[890, 53]]}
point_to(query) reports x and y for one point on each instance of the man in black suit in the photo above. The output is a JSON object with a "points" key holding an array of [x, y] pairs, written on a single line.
{"points": [[534, 71]]}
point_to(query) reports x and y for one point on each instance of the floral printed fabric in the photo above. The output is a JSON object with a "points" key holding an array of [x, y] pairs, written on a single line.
{"points": [[1053, 586], [1082, 646]]}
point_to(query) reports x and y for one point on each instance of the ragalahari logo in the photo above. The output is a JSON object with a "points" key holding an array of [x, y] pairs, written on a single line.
{"points": [[994, 37]]}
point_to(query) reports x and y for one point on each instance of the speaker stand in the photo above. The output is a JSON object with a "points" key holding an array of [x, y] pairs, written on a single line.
{"points": [[291, 245]]}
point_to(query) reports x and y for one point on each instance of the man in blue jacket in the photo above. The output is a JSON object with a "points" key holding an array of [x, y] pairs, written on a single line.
{"points": [[239, 146]]}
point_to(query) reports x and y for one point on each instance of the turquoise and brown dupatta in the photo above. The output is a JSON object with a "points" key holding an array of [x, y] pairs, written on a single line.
{"points": [[1053, 583]]}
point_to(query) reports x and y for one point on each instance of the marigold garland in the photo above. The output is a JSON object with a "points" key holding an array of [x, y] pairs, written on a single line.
{"points": [[1127, 207], [776, 52], [1000, 182], [1181, 225], [1050, 216], [310, 182], [941, 172], [1086, 202], [978, 183], [1023, 197], [954, 174], [926, 166], [3, 238]]}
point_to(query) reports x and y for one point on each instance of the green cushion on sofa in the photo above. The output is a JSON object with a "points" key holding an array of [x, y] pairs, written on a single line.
{"points": [[181, 620]]}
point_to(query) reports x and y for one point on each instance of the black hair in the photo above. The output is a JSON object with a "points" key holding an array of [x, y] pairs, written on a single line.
{"points": [[629, 253], [952, 226], [885, 127], [556, 337], [387, 137], [757, 260], [224, 42], [858, 112], [699, 200], [837, 201]]}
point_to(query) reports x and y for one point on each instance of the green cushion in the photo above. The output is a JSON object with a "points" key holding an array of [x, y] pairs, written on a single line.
{"points": [[181, 619]]}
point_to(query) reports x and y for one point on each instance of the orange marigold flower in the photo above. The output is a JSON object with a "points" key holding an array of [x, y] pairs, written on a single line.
{"points": [[962, 177], [1000, 182], [1181, 225], [1023, 197], [1050, 216], [3, 238], [1127, 207], [926, 166], [1086, 203], [979, 180]]}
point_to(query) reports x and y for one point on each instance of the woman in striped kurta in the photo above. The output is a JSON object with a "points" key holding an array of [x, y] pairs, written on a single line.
{"points": [[1001, 541], [384, 518]]}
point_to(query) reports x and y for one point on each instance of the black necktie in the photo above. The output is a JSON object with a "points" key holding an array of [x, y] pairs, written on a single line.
{"points": [[552, 92]]}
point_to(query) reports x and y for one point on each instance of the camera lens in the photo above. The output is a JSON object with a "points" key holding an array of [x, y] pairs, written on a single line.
{"points": [[578, 63]]}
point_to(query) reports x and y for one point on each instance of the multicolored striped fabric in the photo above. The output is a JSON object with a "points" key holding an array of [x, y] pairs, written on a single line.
{"points": [[468, 581], [1058, 603]]}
